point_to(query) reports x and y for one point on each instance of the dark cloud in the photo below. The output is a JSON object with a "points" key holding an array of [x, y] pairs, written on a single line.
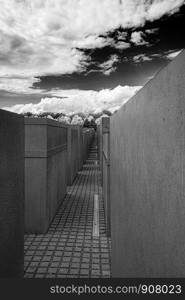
{"points": [[162, 36]]}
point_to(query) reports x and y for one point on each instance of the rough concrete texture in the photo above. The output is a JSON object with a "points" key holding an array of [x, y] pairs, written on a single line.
{"points": [[11, 194], [105, 168], [78, 143], [147, 178], [45, 172], [73, 153], [87, 137], [80, 152]]}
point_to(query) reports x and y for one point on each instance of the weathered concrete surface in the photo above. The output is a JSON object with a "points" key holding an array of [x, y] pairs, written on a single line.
{"points": [[73, 153], [11, 194], [147, 178], [78, 142], [100, 155], [98, 143], [105, 168], [45, 171], [80, 146], [87, 137]]}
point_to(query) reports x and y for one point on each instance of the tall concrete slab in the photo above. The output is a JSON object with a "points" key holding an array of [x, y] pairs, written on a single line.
{"points": [[45, 172], [88, 135], [147, 178], [11, 194], [78, 141], [105, 168], [73, 152]]}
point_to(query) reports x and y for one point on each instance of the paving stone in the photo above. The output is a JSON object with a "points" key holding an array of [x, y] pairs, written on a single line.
{"points": [[74, 271], [85, 266], [51, 247], [95, 272], [52, 270], [31, 269], [95, 266], [39, 275], [30, 252], [76, 259], [105, 261], [76, 254], [41, 270], [63, 270], [84, 272], [54, 264], [27, 258], [106, 273], [50, 276], [34, 263], [44, 264], [85, 260], [64, 265], [66, 259], [105, 267], [67, 253], [57, 258], [75, 265]]}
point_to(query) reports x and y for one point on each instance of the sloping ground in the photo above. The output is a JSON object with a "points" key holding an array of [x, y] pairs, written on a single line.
{"points": [[70, 248]]}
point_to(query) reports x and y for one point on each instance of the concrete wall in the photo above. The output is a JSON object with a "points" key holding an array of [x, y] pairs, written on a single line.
{"points": [[147, 178], [104, 137], [98, 142], [73, 152], [87, 138], [100, 152], [80, 146], [11, 194], [45, 171], [79, 140]]}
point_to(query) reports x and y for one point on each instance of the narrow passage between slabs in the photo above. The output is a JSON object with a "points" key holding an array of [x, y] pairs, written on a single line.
{"points": [[76, 244]]}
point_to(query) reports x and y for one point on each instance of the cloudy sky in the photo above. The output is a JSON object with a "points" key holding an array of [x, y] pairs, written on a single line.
{"points": [[83, 55]]}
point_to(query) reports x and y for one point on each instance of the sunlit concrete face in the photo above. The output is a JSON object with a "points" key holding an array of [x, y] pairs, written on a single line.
{"points": [[45, 172], [147, 182]]}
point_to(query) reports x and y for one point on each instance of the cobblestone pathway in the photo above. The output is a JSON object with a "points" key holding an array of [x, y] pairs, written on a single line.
{"points": [[69, 249]]}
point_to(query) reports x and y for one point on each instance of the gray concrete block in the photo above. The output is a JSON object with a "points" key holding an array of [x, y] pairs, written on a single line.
{"points": [[45, 171], [147, 178], [104, 136], [11, 194]]}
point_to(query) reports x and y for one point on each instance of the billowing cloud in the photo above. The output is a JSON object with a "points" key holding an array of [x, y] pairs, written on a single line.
{"points": [[141, 58], [75, 101], [110, 65], [40, 37], [172, 54], [152, 31], [157, 9], [21, 85], [137, 37], [122, 45]]}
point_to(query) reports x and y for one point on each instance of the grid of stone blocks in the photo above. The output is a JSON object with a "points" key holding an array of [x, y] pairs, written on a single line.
{"points": [[69, 249]]}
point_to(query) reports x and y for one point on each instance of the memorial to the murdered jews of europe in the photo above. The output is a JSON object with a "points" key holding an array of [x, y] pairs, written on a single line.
{"points": [[92, 139]]}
